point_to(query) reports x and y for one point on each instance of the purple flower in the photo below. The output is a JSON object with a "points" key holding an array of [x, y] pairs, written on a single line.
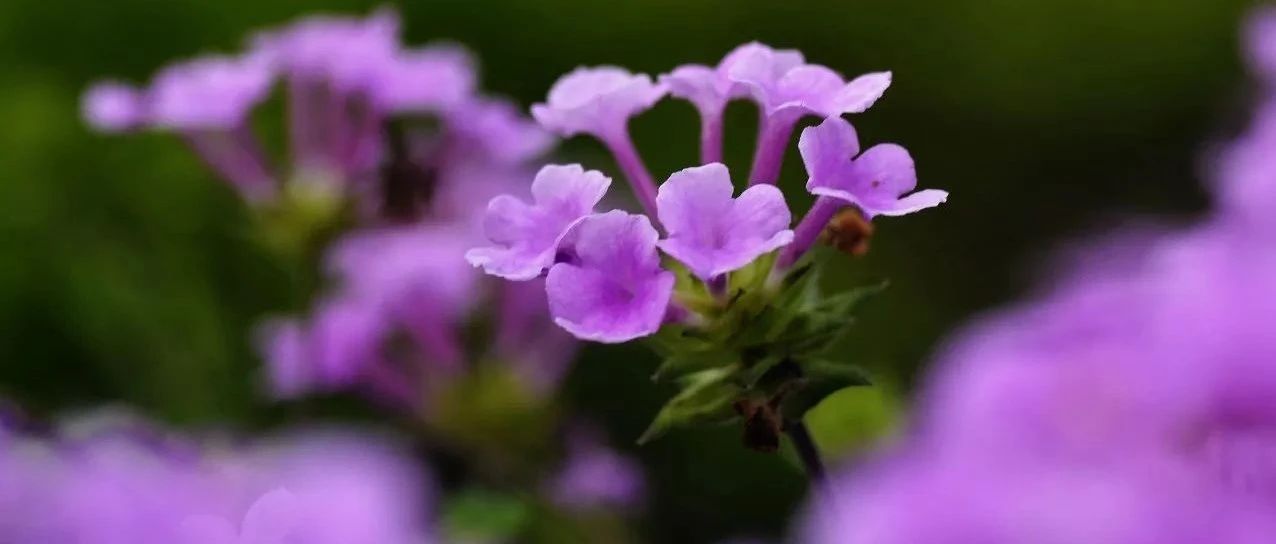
{"points": [[1260, 42], [711, 232], [785, 87], [614, 290], [345, 52], [597, 101], [498, 131], [430, 79], [331, 353], [595, 477], [527, 236], [113, 107], [710, 88], [875, 182], [209, 93]]}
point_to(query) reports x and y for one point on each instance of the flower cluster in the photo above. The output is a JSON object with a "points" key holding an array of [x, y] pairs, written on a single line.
{"points": [[104, 480], [604, 275], [1131, 404], [345, 79], [396, 152]]}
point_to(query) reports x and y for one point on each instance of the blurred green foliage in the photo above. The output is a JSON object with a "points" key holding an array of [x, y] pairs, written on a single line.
{"points": [[129, 274]]}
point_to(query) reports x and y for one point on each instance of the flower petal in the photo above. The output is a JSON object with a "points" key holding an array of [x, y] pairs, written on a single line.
{"points": [[827, 150]]}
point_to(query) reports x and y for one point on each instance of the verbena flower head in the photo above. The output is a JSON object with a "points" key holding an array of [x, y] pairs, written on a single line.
{"points": [[713, 233], [113, 107], [596, 101], [785, 87], [209, 93], [527, 237], [878, 181], [614, 290]]}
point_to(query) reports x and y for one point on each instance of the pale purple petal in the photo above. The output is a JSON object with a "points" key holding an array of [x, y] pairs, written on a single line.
{"points": [[498, 130], [701, 85], [876, 182], [113, 107], [526, 237], [596, 101], [427, 80], [272, 519], [616, 291], [709, 231], [209, 93], [349, 53], [284, 347], [1260, 42], [595, 477], [827, 150], [860, 94], [420, 265]]}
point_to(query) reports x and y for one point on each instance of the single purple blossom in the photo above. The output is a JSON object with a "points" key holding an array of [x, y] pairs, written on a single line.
{"points": [[596, 101], [713, 233], [113, 107], [875, 182], [527, 236], [599, 102], [614, 290]]}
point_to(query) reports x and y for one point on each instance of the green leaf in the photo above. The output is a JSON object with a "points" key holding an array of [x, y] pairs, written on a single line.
{"points": [[706, 397], [820, 378], [479, 515]]}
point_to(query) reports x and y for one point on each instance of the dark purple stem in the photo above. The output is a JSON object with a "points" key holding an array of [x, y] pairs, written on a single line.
{"points": [[644, 186], [710, 137], [773, 139], [807, 451], [808, 231]]}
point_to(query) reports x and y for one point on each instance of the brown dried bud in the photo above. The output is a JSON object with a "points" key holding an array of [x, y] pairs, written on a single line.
{"points": [[849, 232], [761, 425]]}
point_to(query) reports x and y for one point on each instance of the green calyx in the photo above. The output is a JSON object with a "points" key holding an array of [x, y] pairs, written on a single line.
{"points": [[759, 356]]}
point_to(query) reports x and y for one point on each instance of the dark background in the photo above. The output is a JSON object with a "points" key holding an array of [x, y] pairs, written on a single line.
{"points": [[127, 273]]}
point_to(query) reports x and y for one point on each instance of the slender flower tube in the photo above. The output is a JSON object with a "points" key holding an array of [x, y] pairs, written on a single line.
{"points": [[599, 102], [808, 231]]}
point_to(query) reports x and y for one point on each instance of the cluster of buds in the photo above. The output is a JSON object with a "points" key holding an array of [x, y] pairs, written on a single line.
{"points": [[735, 307]]}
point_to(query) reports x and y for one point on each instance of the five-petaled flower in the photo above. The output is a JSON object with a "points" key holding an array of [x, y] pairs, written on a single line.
{"points": [[527, 237], [614, 290], [711, 232]]}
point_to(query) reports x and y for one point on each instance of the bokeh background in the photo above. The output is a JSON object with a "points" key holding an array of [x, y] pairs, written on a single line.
{"points": [[127, 273]]}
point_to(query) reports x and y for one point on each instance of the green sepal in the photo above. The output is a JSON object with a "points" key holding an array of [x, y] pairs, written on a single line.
{"points": [[706, 396], [820, 378]]}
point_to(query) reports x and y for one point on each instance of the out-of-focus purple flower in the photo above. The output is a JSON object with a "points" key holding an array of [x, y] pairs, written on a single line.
{"points": [[537, 351], [416, 264], [1260, 42], [426, 80], [614, 289], [112, 487], [498, 130], [113, 107], [208, 93], [331, 353], [713, 233], [596, 477], [527, 237], [596, 101], [1246, 173], [876, 181], [346, 53]]}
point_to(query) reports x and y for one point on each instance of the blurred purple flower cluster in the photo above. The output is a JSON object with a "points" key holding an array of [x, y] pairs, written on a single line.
{"points": [[604, 276], [1135, 403], [107, 480]]}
